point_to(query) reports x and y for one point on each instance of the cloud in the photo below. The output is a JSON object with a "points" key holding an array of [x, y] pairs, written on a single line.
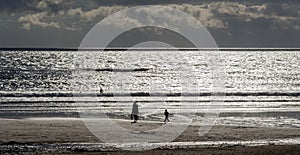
{"points": [[214, 14], [42, 5], [247, 13], [46, 18], [218, 14], [101, 11], [205, 16], [211, 15], [201, 13], [36, 19], [26, 26]]}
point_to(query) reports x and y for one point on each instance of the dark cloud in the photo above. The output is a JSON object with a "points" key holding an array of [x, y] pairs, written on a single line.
{"points": [[255, 34], [7, 5], [14, 5], [269, 23]]}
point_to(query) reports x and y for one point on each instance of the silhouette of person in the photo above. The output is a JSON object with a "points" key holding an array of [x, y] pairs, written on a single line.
{"points": [[135, 112], [101, 90], [166, 113]]}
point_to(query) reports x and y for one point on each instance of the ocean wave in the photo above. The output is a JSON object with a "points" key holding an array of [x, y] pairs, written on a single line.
{"points": [[34, 70], [146, 101], [146, 94]]}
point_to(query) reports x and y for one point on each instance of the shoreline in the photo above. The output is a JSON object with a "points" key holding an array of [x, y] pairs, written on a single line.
{"points": [[70, 135]]}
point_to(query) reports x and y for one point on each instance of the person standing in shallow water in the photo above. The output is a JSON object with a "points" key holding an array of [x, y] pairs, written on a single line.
{"points": [[134, 112], [166, 116]]}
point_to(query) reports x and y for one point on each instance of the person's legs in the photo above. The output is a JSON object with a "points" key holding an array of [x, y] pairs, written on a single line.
{"points": [[166, 119], [135, 118]]}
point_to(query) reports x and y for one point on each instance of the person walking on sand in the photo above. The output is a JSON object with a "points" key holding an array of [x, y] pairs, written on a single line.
{"points": [[166, 116], [135, 112]]}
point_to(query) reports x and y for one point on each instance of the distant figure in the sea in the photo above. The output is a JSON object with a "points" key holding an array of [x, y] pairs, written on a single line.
{"points": [[135, 112], [166, 116], [101, 90]]}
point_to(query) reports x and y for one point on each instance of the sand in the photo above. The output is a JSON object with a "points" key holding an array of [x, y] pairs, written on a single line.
{"points": [[56, 131]]}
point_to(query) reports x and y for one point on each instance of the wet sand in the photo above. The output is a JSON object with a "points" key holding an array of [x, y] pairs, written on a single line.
{"points": [[22, 132], [237, 150]]}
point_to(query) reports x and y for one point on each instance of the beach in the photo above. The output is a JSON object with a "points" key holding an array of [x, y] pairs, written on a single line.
{"points": [[70, 135]]}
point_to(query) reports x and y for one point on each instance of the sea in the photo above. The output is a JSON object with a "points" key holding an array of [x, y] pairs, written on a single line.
{"points": [[259, 87]]}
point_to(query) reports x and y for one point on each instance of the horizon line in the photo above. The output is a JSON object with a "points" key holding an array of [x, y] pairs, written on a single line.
{"points": [[144, 48]]}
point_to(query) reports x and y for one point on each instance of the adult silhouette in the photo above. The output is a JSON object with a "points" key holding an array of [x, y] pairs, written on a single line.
{"points": [[166, 113], [135, 112]]}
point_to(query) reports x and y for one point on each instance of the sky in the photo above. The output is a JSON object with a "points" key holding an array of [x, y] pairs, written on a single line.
{"points": [[232, 24]]}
